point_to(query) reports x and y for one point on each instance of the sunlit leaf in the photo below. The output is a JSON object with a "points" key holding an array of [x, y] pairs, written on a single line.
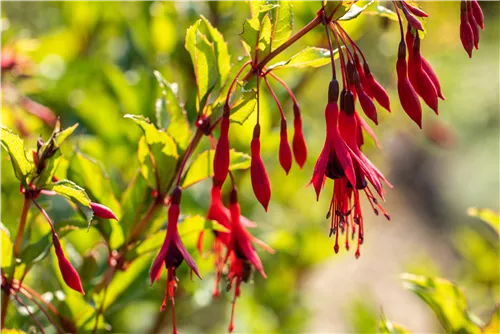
{"points": [[134, 201], [157, 154], [283, 24], [15, 147], [447, 301], [202, 167], [204, 61], [170, 114], [389, 327], [6, 243], [252, 36], [244, 107], [75, 194], [488, 216], [355, 10], [382, 11], [308, 57], [49, 170], [222, 53], [337, 9], [493, 325], [88, 172]]}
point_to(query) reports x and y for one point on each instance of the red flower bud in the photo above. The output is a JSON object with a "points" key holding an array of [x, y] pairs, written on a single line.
{"points": [[298, 143], [475, 29], [424, 85], [102, 211], [412, 20], [407, 96], [260, 180], [221, 159], [285, 153], [432, 75], [362, 77], [415, 10], [377, 90], [69, 274], [466, 34], [367, 106], [478, 13]]}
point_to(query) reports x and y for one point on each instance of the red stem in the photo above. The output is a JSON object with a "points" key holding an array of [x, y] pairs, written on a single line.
{"points": [[275, 99]]}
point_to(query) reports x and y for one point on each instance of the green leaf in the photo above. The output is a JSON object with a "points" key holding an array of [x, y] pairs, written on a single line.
{"points": [[446, 300], [6, 243], [88, 172], [204, 61], [493, 325], [15, 147], [75, 194], [376, 9], [355, 10], [389, 327], [134, 201], [339, 8], [59, 136], [170, 115], [157, 154], [191, 224], [252, 36], [222, 53], [244, 107], [202, 166], [308, 57], [283, 24], [488, 216], [121, 282]]}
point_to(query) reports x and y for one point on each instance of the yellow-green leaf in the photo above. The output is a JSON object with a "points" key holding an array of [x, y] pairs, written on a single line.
{"points": [[308, 57], [75, 194], [447, 301], [283, 24], [488, 216], [15, 147], [203, 166]]}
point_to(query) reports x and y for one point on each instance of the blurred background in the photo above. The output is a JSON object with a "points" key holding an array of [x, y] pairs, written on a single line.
{"points": [[91, 63]]}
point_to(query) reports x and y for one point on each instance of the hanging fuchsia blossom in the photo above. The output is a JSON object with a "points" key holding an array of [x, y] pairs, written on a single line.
{"points": [[171, 254]]}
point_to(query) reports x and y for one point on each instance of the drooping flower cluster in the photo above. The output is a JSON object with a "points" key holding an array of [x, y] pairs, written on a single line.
{"points": [[341, 158], [471, 19]]}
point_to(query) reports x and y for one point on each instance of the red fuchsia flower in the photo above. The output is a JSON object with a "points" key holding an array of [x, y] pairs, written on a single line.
{"points": [[102, 211], [260, 180], [414, 9], [218, 212], [68, 272], [298, 143], [241, 253], [171, 254], [221, 158], [334, 160]]}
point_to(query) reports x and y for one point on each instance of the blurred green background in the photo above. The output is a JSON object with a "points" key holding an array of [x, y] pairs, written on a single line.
{"points": [[93, 62]]}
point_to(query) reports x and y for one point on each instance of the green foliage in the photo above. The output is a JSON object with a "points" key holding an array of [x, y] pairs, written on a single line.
{"points": [[389, 327], [488, 216], [6, 244], [15, 148], [308, 57], [447, 301], [157, 155], [203, 166], [75, 194]]}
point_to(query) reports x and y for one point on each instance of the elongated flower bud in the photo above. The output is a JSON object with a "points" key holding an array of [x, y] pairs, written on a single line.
{"points": [[412, 68], [298, 143], [362, 77], [367, 105], [425, 86], [285, 153], [412, 20], [466, 34], [260, 180], [415, 10], [102, 211], [407, 96], [69, 274], [475, 29], [221, 158], [377, 90], [432, 75], [478, 13]]}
